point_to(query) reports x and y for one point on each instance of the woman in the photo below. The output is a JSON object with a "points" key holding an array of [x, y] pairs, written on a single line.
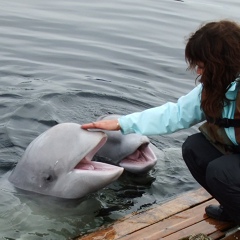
{"points": [[212, 155]]}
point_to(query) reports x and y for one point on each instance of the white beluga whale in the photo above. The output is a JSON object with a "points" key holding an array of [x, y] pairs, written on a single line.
{"points": [[134, 152], [58, 163]]}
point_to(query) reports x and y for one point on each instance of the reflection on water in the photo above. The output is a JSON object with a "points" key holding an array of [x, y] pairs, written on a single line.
{"points": [[73, 61]]}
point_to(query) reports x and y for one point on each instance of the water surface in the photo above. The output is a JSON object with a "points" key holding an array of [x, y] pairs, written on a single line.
{"points": [[72, 61]]}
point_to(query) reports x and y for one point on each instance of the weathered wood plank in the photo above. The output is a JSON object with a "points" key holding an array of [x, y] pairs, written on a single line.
{"points": [[188, 219], [217, 235], [205, 227], [172, 224], [133, 223]]}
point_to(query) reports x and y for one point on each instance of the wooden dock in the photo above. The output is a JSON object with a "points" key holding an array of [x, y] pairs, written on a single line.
{"points": [[179, 218]]}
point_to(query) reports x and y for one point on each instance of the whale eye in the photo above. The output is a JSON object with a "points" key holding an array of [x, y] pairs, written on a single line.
{"points": [[48, 178]]}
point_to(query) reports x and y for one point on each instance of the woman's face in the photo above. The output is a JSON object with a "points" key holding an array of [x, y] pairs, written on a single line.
{"points": [[200, 68]]}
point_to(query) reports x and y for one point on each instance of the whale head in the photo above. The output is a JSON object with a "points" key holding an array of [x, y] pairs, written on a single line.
{"points": [[58, 163]]}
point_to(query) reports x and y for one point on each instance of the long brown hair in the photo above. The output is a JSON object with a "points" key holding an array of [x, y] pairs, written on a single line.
{"points": [[217, 46]]}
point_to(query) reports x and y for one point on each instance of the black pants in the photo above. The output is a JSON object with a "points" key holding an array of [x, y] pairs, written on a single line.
{"points": [[219, 174]]}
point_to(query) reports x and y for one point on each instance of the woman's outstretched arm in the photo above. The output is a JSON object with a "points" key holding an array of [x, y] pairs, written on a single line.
{"points": [[111, 125]]}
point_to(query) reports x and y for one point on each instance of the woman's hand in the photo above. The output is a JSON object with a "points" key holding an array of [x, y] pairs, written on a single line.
{"points": [[111, 125]]}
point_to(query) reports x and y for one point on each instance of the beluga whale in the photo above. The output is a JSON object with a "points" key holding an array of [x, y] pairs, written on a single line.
{"points": [[59, 163], [134, 152]]}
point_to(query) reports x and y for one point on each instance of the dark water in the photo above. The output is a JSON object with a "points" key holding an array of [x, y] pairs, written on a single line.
{"points": [[72, 61]]}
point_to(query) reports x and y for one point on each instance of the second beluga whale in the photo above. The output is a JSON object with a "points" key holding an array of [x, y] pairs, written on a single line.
{"points": [[134, 152]]}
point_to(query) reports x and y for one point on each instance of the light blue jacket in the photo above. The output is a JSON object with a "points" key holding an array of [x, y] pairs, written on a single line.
{"points": [[172, 117]]}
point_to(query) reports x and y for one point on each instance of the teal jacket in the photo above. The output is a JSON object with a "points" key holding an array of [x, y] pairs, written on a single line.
{"points": [[171, 117]]}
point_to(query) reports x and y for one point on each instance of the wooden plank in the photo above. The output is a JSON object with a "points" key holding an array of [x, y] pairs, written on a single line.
{"points": [[172, 224], [204, 227], [217, 235], [133, 223], [179, 222]]}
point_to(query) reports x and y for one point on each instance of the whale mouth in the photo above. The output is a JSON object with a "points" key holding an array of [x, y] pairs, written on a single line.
{"points": [[140, 160], [143, 154], [87, 164]]}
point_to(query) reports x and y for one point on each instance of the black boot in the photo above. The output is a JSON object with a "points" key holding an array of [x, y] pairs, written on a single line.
{"points": [[218, 213]]}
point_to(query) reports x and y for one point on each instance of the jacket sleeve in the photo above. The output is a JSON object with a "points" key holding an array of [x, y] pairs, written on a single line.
{"points": [[167, 118]]}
